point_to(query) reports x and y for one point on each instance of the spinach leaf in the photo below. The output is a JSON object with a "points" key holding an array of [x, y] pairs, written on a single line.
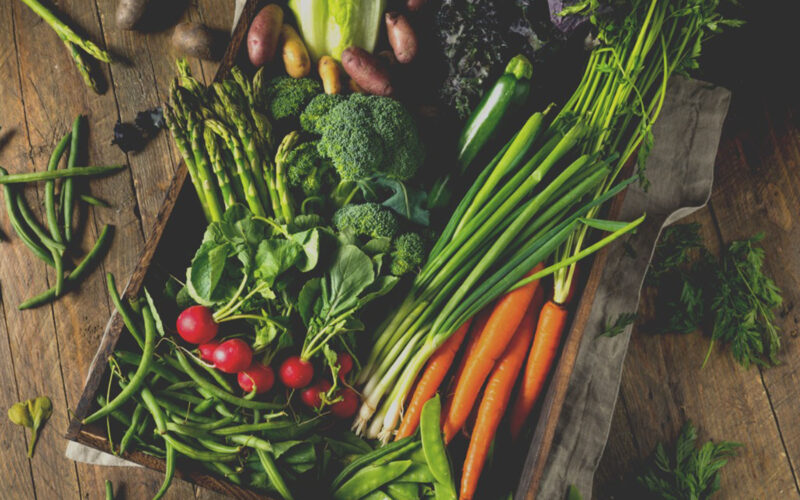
{"points": [[274, 256], [309, 240], [350, 273]]}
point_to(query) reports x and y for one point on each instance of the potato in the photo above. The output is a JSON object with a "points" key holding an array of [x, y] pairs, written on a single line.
{"points": [[295, 55], [129, 12], [401, 37], [196, 40], [330, 74], [415, 5], [262, 37], [367, 71]]}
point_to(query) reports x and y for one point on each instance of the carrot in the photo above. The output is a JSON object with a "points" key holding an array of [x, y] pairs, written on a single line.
{"points": [[506, 317], [494, 402], [549, 329], [431, 379]]}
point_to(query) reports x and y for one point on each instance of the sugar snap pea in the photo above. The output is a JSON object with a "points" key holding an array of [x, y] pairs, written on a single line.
{"points": [[138, 377], [369, 458], [432, 443], [417, 474], [400, 490], [377, 495], [370, 479]]}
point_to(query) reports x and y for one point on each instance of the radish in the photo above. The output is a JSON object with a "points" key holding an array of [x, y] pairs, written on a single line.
{"points": [[232, 356], [345, 362], [310, 395], [296, 372], [347, 407], [196, 325], [207, 351], [256, 374]]}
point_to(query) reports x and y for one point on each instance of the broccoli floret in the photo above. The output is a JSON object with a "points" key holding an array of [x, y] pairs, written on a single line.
{"points": [[307, 170], [367, 219], [318, 107], [366, 136], [286, 97], [408, 253]]}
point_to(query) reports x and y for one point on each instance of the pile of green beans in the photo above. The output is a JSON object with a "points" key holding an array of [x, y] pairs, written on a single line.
{"points": [[167, 408], [52, 243], [415, 467]]}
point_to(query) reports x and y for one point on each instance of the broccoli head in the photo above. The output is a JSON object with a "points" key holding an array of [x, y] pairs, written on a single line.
{"points": [[318, 107], [366, 136], [286, 97], [367, 219], [408, 254], [307, 170]]}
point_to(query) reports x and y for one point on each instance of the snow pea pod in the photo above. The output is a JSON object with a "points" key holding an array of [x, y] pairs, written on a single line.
{"points": [[370, 479], [391, 448], [138, 377], [432, 443], [417, 474], [400, 490]]}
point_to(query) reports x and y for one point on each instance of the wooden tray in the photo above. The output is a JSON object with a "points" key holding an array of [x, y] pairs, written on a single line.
{"points": [[177, 232]]}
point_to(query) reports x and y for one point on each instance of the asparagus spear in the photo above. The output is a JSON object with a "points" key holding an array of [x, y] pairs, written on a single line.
{"points": [[218, 165], [204, 172], [177, 127], [77, 46]]}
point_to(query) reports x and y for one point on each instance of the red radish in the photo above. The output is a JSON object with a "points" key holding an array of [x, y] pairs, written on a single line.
{"points": [[207, 351], [232, 356], [310, 395], [345, 362], [347, 407], [257, 374], [196, 325], [296, 372]]}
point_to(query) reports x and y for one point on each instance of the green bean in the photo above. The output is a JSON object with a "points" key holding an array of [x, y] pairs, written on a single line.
{"points": [[182, 396], [152, 405], [274, 476], [109, 490], [177, 386], [33, 224], [169, 471], [225, 470], [133, 359], [400, 444], [123, 311], [370, 479], [272, 430], [205, 405], [95, 202], [216, 391], [77, 274], [187, 430], [138, 377], [432, 443], [173, 408], [60, 174], [251, 442], [68, 188], [195, 454], [16, 223], [50, 213], [218, 447], [417, 473], [204, 426], [132, 428], [215, 374]]}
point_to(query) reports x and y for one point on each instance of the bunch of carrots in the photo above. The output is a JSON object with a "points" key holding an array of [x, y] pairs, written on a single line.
{"points": [[518, 325]]}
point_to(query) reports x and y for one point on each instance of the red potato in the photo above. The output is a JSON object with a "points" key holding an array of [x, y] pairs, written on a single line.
{"points": [[367, 71], [415, 5], [401, 37], [262, 37], [196, 40], [129, 12]]}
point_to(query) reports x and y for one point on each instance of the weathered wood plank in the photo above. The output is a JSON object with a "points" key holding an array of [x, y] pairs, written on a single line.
{"points": [[663, 385]]}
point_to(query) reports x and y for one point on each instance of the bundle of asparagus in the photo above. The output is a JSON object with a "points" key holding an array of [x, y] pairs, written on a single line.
{"points": [[227, 142]]}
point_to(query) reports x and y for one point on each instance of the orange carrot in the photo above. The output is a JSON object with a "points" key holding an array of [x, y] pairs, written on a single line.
{"points": [[549, 329], [472, 338], [494, 402], [506, 317], [431, 379]]}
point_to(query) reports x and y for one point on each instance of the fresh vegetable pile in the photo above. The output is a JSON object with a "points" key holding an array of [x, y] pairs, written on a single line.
{"points": [[316, 208]]}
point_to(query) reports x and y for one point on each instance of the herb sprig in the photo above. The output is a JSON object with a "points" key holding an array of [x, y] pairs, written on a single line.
{"points": [[687, 472], [730, 294]]}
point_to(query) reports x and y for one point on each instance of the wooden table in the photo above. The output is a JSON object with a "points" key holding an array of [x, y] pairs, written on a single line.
{"points": [[757, 188], [47, 351]]}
